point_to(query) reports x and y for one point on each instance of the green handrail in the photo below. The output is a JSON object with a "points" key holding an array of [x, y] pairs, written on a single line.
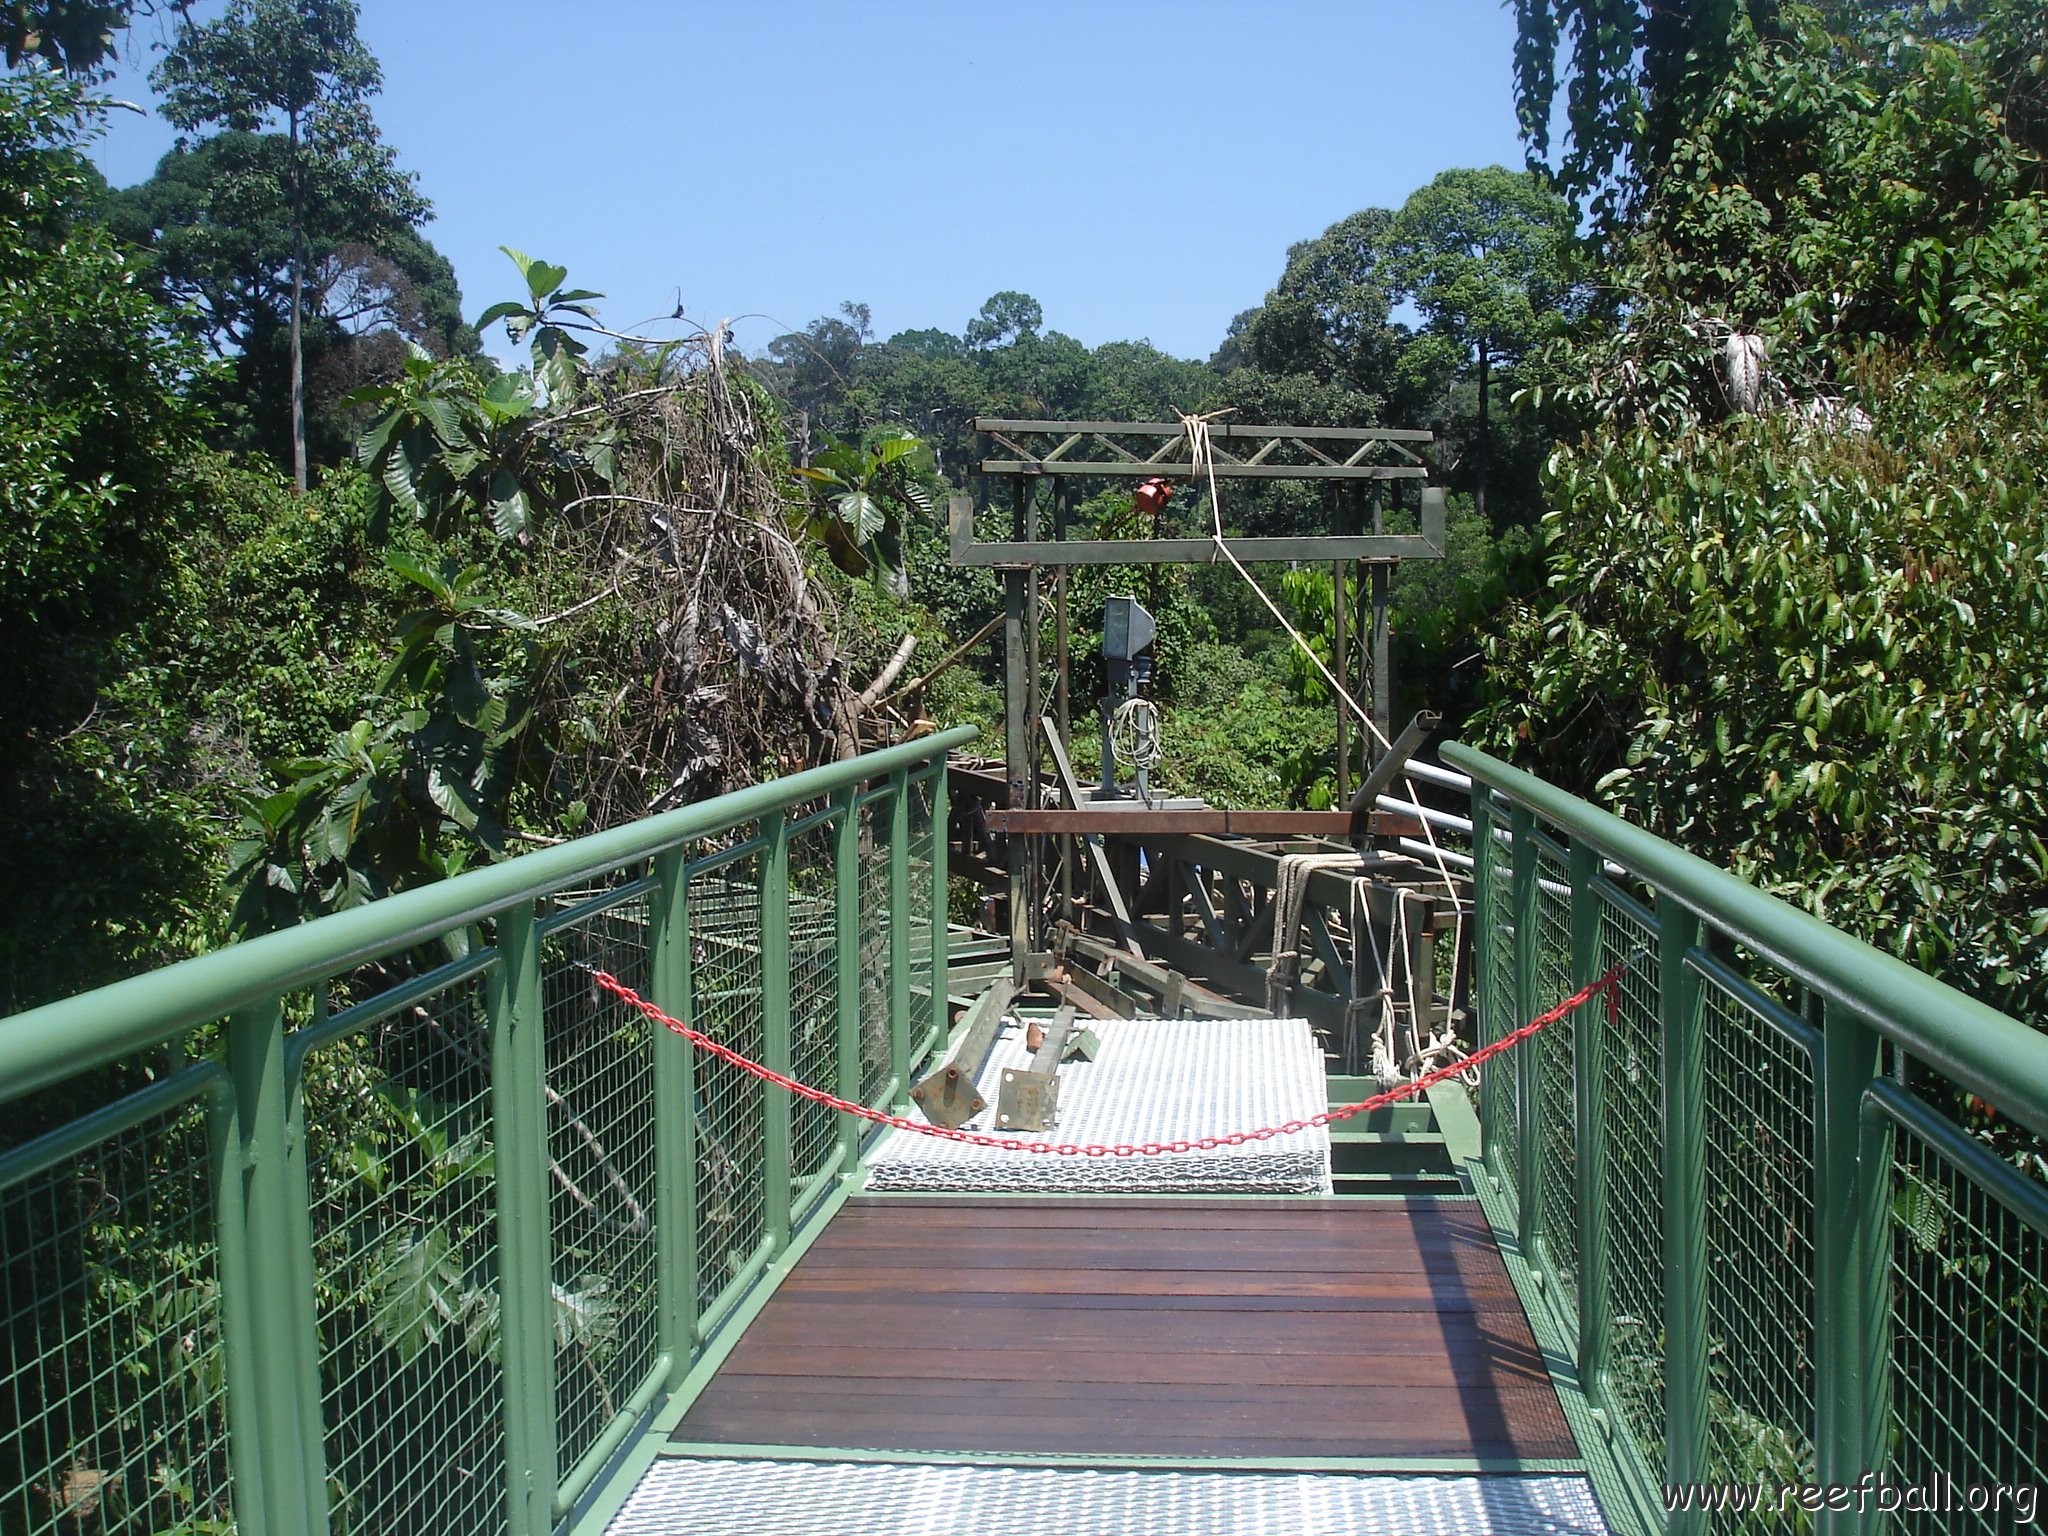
{"points": [[1797, 1272], [427, 1262], [42, 1045], [1996, 1057]]}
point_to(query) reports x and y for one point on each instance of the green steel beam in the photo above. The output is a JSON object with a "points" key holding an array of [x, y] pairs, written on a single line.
{"points": [[899, 932], [1682, 1023], [1589, 1157], [775, 1032], [846, 950], [1853, 1196], [2000, 1059], [1484, 921], [675, 1119], [526, 1332], [941, 1022], [1525, 1063], [276, 1439], [48, 1044]]}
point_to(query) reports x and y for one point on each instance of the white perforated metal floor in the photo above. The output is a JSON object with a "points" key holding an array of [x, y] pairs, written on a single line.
{"points": [[1153, 1080], [684, 1496]]}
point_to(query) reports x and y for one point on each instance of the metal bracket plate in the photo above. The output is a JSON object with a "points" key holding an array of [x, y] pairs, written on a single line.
{"points": [[948, 1097], [1028, 1101]]}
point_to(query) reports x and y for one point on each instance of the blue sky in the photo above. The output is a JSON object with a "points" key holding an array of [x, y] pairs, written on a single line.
{"points": [[1140, 168]]}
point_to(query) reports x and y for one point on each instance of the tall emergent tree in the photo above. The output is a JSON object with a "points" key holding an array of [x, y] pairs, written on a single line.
{"points": [[1487, 256], [301, 63]]}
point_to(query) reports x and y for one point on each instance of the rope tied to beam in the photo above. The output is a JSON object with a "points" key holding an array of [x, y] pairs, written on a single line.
{"points": [[1202, 464]]}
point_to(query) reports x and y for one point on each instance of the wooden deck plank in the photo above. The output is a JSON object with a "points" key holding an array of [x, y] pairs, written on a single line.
{"points": [[1144, 1328]]}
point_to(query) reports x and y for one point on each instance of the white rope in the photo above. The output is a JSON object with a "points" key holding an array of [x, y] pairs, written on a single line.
{"points": [[1202, 461], [1135, 739]]}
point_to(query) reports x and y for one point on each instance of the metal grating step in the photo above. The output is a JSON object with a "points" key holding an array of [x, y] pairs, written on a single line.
{"points": [[1154, 1080], [684, 1496]]}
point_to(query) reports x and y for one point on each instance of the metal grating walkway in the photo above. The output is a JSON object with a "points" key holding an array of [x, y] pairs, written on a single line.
{"points": [[692, 1497], [1155, 1080]]}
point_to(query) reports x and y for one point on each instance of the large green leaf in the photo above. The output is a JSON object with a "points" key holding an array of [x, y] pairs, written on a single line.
{"points": [[418, 1290], [510, 513], [863, 516]]}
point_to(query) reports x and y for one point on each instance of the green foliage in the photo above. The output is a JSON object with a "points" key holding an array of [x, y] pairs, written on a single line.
{"points": [[94, 425], [1636, 72], [863, 493], [1490, 259], [451, 439], [329, 179], [1817, 657], [411, 800], [77, 36], [215, 224], [1237, 732]]}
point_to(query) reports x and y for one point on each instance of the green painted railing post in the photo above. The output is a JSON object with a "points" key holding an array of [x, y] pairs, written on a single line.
{"points": [[941, 1015], [277, 1442], [1484, 923], [526, 1333], [775, 1029], [846, 926], [1854, 1190], [899, 933], [675, 1119], [1592, 1043], [1682, 1023], [1528, 1084]]}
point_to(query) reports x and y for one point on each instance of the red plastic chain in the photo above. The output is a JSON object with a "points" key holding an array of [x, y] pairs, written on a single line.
{"points": [[1609, 984]]}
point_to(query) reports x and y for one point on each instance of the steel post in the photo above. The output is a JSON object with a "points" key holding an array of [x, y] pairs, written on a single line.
{"points": [[1490, 1010], [526, 1333], [1851, 1228], [846, 921], [276, 1436], [1340, 662], [1016, 752], [1525, 895], [775, 1029], [1592, 1045], [1681, 1021], [941, 1017], [899, 932], [675, 1119]]}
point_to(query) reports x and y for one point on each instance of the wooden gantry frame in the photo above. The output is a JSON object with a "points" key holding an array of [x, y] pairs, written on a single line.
{"points": [[1061, 453]]}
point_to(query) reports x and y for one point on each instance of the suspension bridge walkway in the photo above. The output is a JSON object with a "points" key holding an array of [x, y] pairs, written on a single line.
{"points": [[406, 1221]]}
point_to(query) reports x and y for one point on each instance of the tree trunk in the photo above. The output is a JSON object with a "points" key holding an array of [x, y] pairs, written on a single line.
{"points": [[1485, 444], [299, 477]]}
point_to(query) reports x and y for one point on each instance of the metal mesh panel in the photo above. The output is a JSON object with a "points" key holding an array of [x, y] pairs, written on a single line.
{"points": [[1160, 1080], [1969, 1339], [923, 871], [399, 1149], [1557, 1099], [600, 1118], [1497, 1087], [1759, 1176], [1632, 1095], [874, 948], [725, 995], [688, 1497], [813, 993], [112, 1377]]}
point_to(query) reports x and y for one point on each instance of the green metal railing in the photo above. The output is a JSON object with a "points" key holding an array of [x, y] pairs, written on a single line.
{"points": [[1772, 1252], [394, 1222]]}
